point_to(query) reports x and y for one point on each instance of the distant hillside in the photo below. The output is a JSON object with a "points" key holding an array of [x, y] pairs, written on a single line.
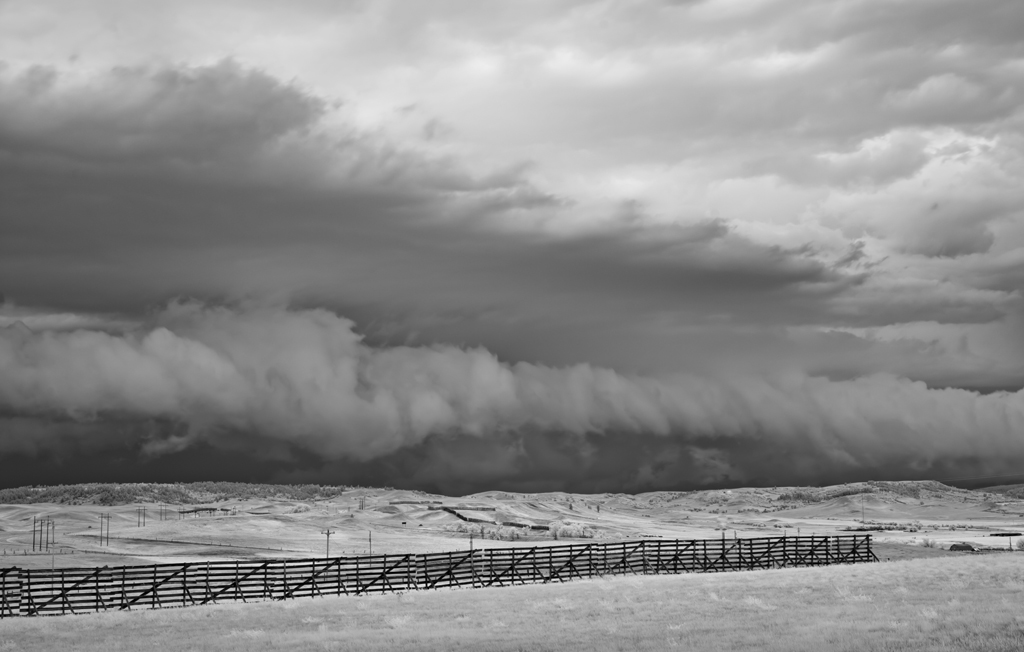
{"points": [[172, 494], [209, 492], [909, 489], [1011, 490]]}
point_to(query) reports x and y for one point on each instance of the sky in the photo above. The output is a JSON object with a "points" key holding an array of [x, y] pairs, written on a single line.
{"points": [[607, 246]]}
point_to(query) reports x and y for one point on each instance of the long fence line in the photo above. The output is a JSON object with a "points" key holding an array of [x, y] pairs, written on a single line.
{"points": [[34, 592]]}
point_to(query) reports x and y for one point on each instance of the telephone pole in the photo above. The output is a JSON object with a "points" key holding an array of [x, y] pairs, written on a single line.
{"points": [[105, 518], [42, 529], [328, 532], [140, 517]]}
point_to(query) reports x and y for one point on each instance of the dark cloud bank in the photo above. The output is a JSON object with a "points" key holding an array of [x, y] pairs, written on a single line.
{"points": [[258, 393], [221, 182]]}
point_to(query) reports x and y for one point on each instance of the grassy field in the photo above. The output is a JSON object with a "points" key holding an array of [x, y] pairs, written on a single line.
{"points": [[265, 521], [970, 602]]}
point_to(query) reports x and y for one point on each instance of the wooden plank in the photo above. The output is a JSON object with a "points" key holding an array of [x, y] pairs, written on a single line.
{"points": [[452, 565], [675, 558], [10, 592], [250, 573], [382, 575], [568, 563], [510, 569], [152, 591]]}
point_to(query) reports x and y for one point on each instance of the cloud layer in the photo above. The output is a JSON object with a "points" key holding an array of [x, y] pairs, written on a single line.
{"points": [[306, 380], [709, 239]]}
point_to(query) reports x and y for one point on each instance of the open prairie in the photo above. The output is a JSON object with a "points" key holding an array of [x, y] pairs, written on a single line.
{"points": [[969, 602], [905, 518], [921, 597]]}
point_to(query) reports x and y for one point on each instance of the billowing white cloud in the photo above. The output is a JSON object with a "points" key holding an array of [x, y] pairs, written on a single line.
{"points": [[306, 378]]}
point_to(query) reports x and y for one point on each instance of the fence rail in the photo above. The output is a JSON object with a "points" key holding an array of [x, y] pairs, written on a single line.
{"points": [[34, 592]]}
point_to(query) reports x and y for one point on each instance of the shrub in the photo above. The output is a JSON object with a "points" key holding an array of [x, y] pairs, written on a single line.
{"points": [[798, 496], [496, 533], [504, 533], [570, 529], [464, 528]]}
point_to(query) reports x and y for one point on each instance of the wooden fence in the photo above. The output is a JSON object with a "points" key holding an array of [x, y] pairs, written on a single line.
{"points": [[33, 592]]}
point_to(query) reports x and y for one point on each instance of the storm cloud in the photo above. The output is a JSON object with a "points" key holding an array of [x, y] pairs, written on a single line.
{"points": [[306, 381], [457, 247]]}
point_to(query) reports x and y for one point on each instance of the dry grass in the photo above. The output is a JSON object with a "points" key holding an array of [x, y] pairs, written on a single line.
{"points": [[949, 603]]}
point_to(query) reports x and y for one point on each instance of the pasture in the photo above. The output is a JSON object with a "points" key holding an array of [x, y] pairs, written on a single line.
{"points": [[926, 598], [969, 602], [389, 521]]}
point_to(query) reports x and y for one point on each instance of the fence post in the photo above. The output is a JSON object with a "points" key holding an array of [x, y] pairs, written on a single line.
{"points": [[472, 564]]}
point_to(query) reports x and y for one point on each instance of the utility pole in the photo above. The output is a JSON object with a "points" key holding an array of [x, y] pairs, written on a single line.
{"points": [[371, 541], [42, 528], [106, 518], [328, 532], [140, 517]]}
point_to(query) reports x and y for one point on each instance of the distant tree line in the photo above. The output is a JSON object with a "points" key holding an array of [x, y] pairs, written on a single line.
{"points": [[172, 494], [907, 489]]}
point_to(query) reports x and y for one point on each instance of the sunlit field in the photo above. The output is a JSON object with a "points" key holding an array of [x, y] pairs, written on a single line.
{"points": [[970, 602]]}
